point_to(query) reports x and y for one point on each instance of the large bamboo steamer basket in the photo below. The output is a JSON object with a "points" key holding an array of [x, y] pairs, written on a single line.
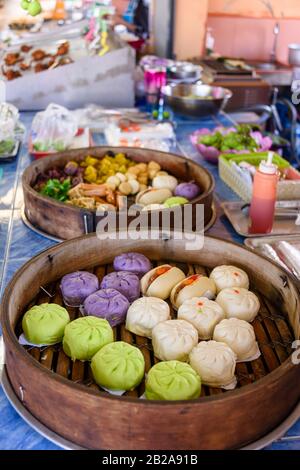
{"points": [[66, 222], [63, 396]]}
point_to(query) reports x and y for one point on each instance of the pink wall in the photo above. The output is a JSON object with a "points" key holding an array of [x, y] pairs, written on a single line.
{"points": [[252, 38], [190, 26], [256, 8]]}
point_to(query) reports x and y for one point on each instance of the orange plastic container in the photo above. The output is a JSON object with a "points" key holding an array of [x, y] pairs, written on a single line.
{"points": [[59, 12]]}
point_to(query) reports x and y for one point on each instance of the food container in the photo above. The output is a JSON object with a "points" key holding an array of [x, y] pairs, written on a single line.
{"points": [[65, 221], [286, 189], [64, 398], [83, 139], [212, 154], [107, 81], [185, 71], [196, 100]]}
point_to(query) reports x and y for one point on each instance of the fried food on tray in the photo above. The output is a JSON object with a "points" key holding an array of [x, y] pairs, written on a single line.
{"points": [[24, 66], [39, 54], [51, 62], [64, 61], [25, 48], [40, 67], [11, 74], [63, 49], [12, 58]]}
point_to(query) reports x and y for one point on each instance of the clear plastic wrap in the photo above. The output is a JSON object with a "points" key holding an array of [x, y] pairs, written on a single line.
{"points": [[53, 129], [11, 129]]}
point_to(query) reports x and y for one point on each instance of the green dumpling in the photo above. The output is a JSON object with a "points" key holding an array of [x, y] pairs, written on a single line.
{"points": [[175, 201], [172, 380], [85, 336], [118, 366], [45, 324]]}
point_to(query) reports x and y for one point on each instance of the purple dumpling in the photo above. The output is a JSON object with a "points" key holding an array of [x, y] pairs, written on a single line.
{"points": [[76, 287], [135, 263], [188, 190], [108, 304], [126, 283]]}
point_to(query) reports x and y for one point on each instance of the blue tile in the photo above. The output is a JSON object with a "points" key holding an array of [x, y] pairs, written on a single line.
{"points": [[4, 227], [10, 269], [295, 430], [15, 434], [19, 198], [285, 445], [25, 243], [7, 185]]}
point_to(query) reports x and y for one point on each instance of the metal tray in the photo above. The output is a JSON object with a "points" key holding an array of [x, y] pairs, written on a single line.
{"points": [[284, 250], [240, 221]]}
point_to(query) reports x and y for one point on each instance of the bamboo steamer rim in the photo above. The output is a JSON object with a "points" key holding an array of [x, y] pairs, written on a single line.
{"points": [[242, 392], [125, 150]]}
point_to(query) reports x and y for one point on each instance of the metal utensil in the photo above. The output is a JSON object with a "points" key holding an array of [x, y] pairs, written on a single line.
{"points": [[196, 100], [184, 71]]}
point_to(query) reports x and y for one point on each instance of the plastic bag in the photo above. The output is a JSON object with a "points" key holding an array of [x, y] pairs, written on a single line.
{"points": [[9, 116], [53, 129], [11, 129]]}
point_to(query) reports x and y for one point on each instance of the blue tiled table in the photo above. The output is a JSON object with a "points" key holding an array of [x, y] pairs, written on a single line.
{"points": [[18, 244]]}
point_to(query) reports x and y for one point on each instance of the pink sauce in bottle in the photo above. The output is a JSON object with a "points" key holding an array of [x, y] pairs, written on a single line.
{"points": [[264, 197]]}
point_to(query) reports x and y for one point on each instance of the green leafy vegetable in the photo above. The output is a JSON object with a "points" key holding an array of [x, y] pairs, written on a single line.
{"points": [[239, 140], [57, 190], [7, 146]]}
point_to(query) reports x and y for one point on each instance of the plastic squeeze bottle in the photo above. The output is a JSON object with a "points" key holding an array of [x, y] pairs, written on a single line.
{"points": [[264, 197]]}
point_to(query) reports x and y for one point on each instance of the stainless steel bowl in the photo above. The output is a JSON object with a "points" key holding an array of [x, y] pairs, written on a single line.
{"points": [[196, 100], [185, 71]]}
